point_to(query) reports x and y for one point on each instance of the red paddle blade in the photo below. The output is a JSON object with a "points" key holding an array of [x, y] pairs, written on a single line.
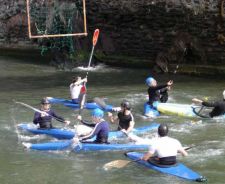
{"points": [[95, 37]]}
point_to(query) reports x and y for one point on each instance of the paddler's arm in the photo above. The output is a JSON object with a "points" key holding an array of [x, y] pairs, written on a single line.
{"points": [[58, 118], [147, 156], [183, 152], [79, 117], [84, 80], [201, 102], [94, 132], [37, 118], [168, 84], [112, 119]]}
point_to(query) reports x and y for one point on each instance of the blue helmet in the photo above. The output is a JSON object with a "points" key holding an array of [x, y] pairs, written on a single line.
{"points": [[97, 113], [149, 80]]}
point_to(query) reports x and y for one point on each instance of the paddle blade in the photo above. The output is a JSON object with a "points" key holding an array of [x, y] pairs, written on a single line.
{"points": [[116, 164], [100, 102], [95, 37]]}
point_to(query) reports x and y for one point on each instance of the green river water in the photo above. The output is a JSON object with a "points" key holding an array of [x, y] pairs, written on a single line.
{"points": [[28, 82]]}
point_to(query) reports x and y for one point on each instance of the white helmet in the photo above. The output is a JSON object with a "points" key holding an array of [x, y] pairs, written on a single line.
{"points": [[224, 94]]}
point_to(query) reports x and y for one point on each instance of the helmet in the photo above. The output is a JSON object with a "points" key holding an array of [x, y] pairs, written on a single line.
{"points": [[97, 113], [125, 104], [163, 130], [45, 101], [224, 94], [149, 80]]}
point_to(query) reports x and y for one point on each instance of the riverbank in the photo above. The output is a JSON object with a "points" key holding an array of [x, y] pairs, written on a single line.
{"points": [[120, 61], [197, 70]]}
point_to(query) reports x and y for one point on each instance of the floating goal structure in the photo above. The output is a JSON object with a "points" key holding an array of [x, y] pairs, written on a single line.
{"points": [[56, 18]]}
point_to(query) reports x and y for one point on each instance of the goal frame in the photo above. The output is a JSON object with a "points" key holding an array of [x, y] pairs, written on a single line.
{"points": [[55, 35]]}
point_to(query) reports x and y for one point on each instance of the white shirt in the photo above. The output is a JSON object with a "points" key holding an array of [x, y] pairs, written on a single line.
{"points": [[164, 147], [75, 90]]}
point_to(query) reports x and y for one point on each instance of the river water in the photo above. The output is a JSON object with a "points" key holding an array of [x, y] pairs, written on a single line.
{"points": [[28, 81]]}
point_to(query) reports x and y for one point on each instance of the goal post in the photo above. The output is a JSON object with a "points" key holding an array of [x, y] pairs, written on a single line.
{"points": [[56, 18]]}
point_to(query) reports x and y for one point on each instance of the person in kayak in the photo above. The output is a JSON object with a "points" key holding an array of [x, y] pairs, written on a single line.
{"points": [[45, 119], [100, 130], [124, 118], [77, 89], [154, 89], [163, 149], [219, 106]]}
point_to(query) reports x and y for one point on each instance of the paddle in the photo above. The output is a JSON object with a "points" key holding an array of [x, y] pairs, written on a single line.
{"points": [[94, 42], [198, 113], [100, 102], [122, 163], [118, 164], [37, 110]]}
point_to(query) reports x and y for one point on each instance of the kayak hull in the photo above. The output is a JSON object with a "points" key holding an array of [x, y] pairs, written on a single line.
{"points": [[150, 111], [178, 170], [183, 110], [53, 132], [69, 103], [83, 147], [69, 134]]}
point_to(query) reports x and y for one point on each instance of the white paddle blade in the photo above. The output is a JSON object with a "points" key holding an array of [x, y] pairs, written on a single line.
{"points": [[100, 102], [116, 164], [82, 129]]}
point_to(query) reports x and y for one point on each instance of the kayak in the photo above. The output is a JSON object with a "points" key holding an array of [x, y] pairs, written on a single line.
{"points": [[176, 109], [69, 134], [53, 132], [150, 111], [69, 103], [179, 169], [83, 147], [184, 110]]}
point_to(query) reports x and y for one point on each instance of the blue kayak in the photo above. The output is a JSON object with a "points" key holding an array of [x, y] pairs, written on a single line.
{"points": [[150, 111], [69, 134], [53, 132], [69, 103], [64, 145], [179, 170]]}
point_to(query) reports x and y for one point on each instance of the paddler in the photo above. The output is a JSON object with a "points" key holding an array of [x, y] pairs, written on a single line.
{"points": [[156, 93], [219, 106], [124, 118], [45, 119], [77, 89], [163, 149], [154, 89], [100, 130]]}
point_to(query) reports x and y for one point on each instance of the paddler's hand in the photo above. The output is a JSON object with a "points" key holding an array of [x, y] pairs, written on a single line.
{"points": [[110, 114], [43, 114], [116, 109], [170, 83], [79, 117], [124, 131], [195, 100], [85, 80], [76, 140], [67, 122]]}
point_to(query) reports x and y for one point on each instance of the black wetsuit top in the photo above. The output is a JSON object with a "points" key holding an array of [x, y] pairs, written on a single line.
{"points": [[124, 120], [219, 108], [164, 95], [46, 121], [154, 93], [101, 131]]}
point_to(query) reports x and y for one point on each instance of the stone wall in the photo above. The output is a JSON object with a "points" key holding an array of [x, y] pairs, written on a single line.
{"points": [[165, 31]]}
